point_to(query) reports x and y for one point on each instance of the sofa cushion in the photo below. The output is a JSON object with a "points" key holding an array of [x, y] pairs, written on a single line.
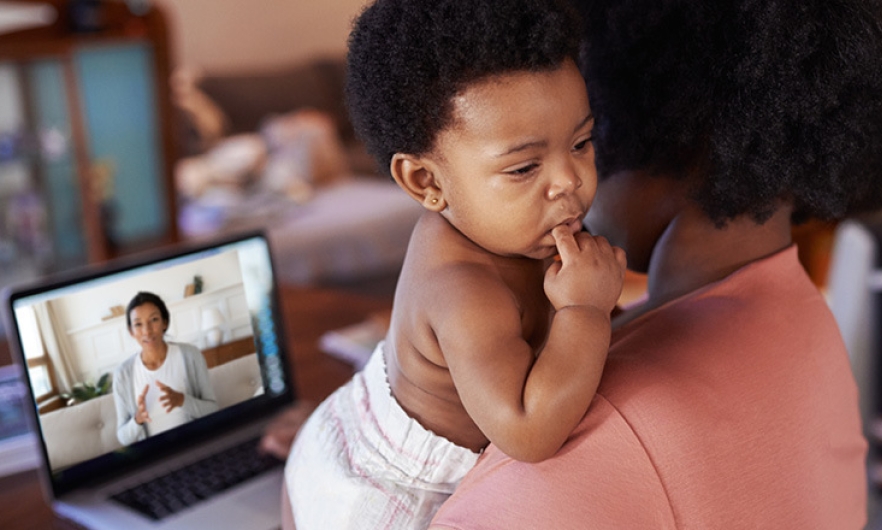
{"points": [[236, 381], [78, 433]]}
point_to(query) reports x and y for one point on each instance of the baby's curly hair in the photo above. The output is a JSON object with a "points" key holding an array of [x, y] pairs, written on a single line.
{"points": [[760, 100], [408, 58]]}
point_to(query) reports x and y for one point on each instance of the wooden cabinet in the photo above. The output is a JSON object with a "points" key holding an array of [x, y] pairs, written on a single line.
{"points": [[86, 149]]}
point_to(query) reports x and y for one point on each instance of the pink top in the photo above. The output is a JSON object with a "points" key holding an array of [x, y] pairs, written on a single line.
{"points": [[733, 407]]}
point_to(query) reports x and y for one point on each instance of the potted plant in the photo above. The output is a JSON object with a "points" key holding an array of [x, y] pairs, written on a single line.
{"points": [[85, 391]]}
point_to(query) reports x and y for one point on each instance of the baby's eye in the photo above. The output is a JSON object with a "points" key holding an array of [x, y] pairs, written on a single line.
{"points": [[523, 170], [584, 144]]}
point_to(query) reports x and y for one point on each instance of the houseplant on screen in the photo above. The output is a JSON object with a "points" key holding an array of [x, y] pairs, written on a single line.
{"points": [[81, 392]]}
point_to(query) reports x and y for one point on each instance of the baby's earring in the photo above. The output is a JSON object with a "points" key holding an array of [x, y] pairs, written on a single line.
{"points": [[432, 203]]}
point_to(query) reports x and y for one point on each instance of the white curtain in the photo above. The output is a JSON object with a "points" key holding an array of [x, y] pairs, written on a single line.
{"points": [[57, 347]]}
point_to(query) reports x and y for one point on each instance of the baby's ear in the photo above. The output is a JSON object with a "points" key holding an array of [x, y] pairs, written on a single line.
{"points": [[415, 176]]}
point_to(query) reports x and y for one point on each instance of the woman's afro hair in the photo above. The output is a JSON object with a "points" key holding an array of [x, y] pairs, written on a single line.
{"points": [[761, 100], [408, 59]]}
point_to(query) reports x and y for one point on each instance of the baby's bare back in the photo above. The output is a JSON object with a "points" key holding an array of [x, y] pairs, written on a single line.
{"points": [[441, 268]]}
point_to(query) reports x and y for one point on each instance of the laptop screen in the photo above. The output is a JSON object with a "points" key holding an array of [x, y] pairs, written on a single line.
{"points": [[101, 402]]}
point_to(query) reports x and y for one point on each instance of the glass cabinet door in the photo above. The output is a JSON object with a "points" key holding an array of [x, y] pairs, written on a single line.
{"points": [[120, 112], [86, 148], [36, 232], [42, 228], [55, 164]]}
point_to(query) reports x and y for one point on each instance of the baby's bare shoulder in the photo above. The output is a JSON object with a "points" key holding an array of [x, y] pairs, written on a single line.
{"points": [[450, 294]]}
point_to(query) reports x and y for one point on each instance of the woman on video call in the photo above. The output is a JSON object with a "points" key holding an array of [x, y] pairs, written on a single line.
{"points": [[164, 385]]}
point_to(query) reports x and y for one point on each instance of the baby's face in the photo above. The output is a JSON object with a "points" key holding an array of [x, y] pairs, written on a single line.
{"points": [[518, 160]]}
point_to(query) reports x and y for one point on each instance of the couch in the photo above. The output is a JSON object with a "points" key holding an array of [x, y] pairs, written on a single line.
{"points": [[86, 430], [335, 219]]}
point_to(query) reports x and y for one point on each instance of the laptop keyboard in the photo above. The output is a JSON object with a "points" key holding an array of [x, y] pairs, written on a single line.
{"points": [[170, 493]]}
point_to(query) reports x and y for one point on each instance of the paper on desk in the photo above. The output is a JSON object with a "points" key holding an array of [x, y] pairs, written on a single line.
{"points": [[18, 446], [354, 344]]}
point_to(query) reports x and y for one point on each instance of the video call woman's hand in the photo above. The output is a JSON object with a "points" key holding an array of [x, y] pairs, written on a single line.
{"points": [[141, 416], [170, 398]]}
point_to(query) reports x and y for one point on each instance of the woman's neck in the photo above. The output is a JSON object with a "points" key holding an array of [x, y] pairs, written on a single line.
{"points": [[154, 356], [692, 253]]}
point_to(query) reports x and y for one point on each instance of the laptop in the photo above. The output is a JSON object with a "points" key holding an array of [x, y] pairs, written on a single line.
{"points": [[67, 332]]}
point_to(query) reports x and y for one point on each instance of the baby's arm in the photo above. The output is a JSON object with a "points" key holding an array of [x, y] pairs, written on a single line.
{"points": [[527, 408]]}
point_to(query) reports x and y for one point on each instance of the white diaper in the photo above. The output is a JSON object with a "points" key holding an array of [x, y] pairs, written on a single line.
{"points": [[360, 462]]}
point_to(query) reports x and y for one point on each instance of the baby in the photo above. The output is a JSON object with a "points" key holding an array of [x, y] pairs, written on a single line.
{"points": [[478, 111]]}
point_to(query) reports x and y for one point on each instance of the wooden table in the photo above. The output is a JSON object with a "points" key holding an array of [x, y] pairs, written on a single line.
{"points": [[308, 314]]}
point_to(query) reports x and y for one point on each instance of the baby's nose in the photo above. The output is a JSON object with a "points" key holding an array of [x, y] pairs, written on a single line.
{"points": [[564, 183]]}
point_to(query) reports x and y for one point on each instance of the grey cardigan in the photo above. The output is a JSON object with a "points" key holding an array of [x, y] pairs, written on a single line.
{"points": [[199, 398]]}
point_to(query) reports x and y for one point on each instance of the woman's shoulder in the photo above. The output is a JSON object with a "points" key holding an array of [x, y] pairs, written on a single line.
{"points": [[127, 364], [750, 296], [185, 348]]}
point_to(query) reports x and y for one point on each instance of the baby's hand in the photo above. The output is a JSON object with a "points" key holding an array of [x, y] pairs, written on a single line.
{"points": [[590, 271]]}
